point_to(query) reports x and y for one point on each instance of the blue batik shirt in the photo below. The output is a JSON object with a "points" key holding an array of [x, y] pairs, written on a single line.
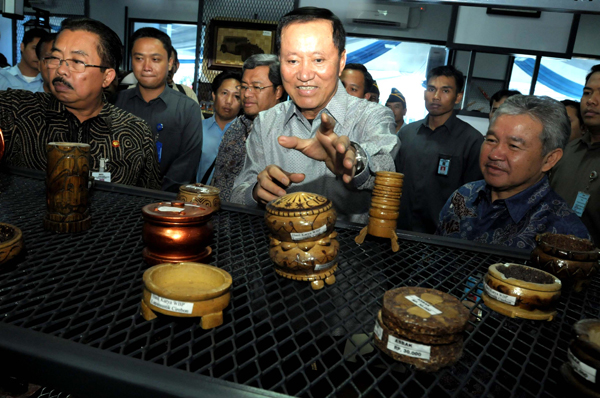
{"points": [[470, 214]]}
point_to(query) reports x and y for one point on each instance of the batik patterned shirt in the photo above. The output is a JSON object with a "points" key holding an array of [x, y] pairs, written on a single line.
{"points": [[470, 214]]}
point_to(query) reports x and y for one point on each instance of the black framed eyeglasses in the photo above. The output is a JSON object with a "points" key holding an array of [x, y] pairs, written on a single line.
{"points": [[257, 89], [73, 64]]}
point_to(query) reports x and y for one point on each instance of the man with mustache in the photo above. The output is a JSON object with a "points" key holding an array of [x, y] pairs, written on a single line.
{"points": [[324, 140], [174, 118], [85, 58], [514, 202], [577, 176], [439, 153]]}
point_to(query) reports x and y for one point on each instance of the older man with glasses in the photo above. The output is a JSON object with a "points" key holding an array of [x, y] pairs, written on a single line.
{"points": [[85, 57]]}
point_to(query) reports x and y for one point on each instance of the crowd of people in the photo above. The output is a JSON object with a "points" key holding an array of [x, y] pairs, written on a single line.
{"points": [[534, 171]]}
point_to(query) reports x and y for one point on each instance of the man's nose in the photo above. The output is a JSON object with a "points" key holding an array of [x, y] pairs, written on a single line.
{"points": [[306, 72]]}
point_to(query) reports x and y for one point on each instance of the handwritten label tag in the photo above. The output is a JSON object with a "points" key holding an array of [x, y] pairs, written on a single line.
{"points": [[180, 307], [309, 234], [409, 349], [104, 176], [584, 370], [580, 202], [378, 330], [503, 298], [419, 302], [170, 208]]}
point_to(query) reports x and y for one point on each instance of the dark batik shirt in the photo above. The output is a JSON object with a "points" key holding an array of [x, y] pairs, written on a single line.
{"points": [[470, 214], [31, 120], [231, 155]]}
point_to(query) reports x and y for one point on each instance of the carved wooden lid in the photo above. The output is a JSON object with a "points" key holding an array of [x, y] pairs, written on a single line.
{"points": [[299, 204], [176, 212], [199, 189]]}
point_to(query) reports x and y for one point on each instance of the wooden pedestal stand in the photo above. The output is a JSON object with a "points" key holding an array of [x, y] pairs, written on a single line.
{"points": [[385, 203]]}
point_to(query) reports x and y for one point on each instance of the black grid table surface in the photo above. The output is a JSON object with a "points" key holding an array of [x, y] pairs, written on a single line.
{"points": [[278, 335]]}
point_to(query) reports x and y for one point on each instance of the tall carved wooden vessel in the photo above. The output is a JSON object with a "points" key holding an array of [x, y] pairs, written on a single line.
{"points": [[67, 197], [385, 203], [303, 245]]}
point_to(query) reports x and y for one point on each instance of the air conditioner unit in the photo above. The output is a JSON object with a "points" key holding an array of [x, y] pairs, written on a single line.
{"points": [[379, 14]]}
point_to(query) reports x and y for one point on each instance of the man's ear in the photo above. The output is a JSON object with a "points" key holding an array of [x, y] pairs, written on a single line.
{"points": [[342, 63], [109, 75], [22, 47], [367, 96], [278, 92], [551, 159], [214, 97], [459, 97]]}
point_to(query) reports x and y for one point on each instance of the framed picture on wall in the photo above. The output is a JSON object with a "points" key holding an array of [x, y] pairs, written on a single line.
{"points": [[233, 42]]}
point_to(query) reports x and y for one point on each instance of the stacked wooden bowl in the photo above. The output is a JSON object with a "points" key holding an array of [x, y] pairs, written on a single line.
{"points": [[385, 203]]}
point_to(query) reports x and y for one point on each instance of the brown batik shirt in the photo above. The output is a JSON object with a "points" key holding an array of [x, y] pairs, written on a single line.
{"points": [[31, 120]]}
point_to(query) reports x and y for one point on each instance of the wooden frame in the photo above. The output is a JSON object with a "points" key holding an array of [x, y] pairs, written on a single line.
{"points": [[230, 43]]}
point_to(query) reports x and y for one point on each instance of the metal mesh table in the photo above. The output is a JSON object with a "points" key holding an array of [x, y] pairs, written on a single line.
{"points": [[79, 294]]}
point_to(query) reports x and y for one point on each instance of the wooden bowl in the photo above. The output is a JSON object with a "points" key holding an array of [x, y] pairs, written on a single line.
{"points": [[582, 371], [200, 194], [13, 246], [187, 290], [519, 291], [574, 260]]}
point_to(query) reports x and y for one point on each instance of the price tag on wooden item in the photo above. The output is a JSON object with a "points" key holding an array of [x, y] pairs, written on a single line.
{"points": [[180, 307], [409, 349], [419, 302], [378, 330], [105, 176], [503, 298], [582, 369], [309, 234]]}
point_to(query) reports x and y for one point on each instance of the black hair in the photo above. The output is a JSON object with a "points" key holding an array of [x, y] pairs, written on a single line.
{"points": [[48, 38], [3, 61], [110, 47], [308, 14], [152, 33], [32, 34], [595, 68], [368, 78], [175, 58], [577, 106], [269, 60], [221, 77], [448, 71], [503, 94]]}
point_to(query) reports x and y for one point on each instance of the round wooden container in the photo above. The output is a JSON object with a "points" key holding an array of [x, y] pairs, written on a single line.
{"points": [[582, 370], [519, 291], [176, 232], [13, 246], [187, 290], [574, 260], [204, 195], [303, 244]]}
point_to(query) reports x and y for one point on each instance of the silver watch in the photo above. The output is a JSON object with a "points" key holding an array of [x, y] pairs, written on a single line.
{"points": [[361, 158]]}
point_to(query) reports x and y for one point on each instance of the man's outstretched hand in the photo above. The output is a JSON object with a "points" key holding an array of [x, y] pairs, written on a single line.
{"points": [[272, 183], [328, 147]]}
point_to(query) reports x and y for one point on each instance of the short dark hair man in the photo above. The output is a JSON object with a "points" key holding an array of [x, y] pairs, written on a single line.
{"points": [[323, 140], [43, 50], [514, 201], [374, 97], [173, 117], [227, 104], [397, 103], [260, 89], [84, 60], [577, 176], [182, 88], [439, 153], [357, 80], [574, 112], [498, 99], [25, 75]]}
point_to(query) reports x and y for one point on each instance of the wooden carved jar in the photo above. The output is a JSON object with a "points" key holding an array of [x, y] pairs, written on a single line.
{"points": [[582, 370], [203, 195], [573, 260], [303, 245], [176, 232]]}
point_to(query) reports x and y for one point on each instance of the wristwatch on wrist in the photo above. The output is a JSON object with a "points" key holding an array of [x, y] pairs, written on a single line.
{"points": [[361, 158]]}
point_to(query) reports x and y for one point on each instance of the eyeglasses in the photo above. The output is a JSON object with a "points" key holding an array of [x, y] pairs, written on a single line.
{"points": [[73, 64], [256, 89]]}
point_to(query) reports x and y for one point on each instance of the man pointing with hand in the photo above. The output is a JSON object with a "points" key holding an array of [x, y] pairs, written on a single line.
{"points": [[324, 140]]}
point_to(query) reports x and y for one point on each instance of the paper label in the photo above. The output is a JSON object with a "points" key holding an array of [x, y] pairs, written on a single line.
{"points": [[378, 330], [409, 349], [171, 305], [267, 33], [419, 302], [320, 267], [580, 202], [309, 234], [582, 369], [170, 208], [503, 298], [105, 176]]}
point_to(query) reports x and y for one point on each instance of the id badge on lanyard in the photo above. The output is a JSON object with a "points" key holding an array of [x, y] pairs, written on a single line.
{"points": [[443, 165], [583, 197]]}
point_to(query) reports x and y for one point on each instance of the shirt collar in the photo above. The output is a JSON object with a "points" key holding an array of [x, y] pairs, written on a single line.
{"points": [[56, 107], [15, 71], [587, 140], [336, 107], [212, 122], [450, 123], [163, 96], [520, 204]]}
